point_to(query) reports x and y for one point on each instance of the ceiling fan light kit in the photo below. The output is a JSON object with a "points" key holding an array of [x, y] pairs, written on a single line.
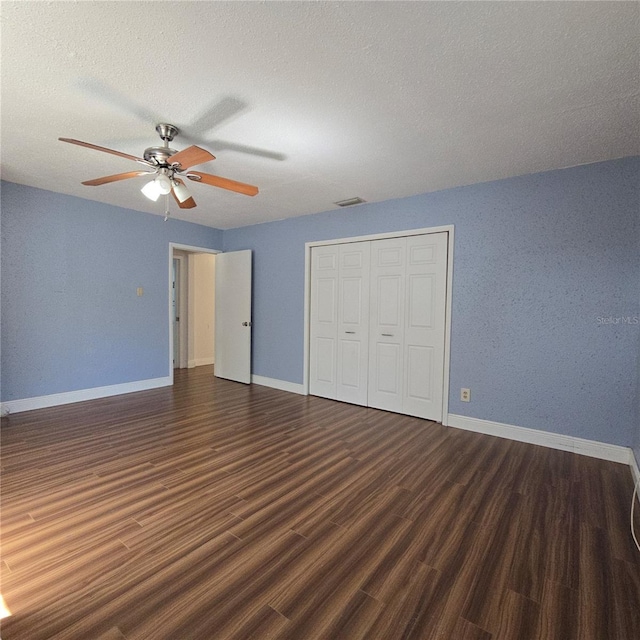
{"points": [[167, 166], [159, 186], [180, 191]]}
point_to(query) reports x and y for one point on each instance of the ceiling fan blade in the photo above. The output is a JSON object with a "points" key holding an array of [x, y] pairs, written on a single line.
{"points": [[114, 178], [216, 114], [225, 145], [190, 157], [97, 148], [103, 92], [189, 203], [223, 183]]}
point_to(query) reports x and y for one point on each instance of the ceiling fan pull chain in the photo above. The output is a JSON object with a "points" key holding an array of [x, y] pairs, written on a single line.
{"points": [[166, 207]]}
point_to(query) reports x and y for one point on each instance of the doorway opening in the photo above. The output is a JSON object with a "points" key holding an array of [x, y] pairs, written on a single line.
{"points": [[191, 307]]}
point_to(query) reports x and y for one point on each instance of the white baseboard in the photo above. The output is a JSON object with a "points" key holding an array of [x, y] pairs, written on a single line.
{"points": [[56, 399], [635, 469], [283, 385], [635, 472], [581, 446]]}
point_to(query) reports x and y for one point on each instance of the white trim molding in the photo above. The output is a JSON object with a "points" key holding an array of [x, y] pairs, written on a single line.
{"points": [[282, 385], [591, 448], [69, 397], [403, 233]]}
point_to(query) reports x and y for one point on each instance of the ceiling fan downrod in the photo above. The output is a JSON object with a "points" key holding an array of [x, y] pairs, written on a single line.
{"points": [[159, 156]]}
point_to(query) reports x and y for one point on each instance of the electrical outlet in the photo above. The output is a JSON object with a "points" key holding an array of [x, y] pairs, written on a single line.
{"points": [[465, 395]]}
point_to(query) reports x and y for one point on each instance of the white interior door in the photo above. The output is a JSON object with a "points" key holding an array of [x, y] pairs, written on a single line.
{"points": [[323, 313], [353, 322], [387, 324], [233, 316]]}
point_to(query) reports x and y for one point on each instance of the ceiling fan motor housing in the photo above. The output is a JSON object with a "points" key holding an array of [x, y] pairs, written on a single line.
{"points": [[158, 155]]}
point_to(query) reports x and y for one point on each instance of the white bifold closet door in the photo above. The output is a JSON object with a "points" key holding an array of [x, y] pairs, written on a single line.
{"points": [[339, 312], [387, 323], [408, 295], [377, 323], [323, 312], [353, 322]]}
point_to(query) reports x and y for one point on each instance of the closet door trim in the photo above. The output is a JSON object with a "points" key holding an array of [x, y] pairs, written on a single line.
{"points": [[449, 229]]}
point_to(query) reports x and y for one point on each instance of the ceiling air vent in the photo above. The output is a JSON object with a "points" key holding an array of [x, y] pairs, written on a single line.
{"points": [[350, 202]]}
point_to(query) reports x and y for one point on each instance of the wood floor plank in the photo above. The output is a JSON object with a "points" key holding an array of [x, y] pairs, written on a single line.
{"points": [[559, 612], [213, 510], [465, 630], [412, 610], [266, 623], [519, 617]]}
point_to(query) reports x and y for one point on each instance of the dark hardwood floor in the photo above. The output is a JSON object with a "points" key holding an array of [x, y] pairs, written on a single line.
{"points": [[216, 510]]}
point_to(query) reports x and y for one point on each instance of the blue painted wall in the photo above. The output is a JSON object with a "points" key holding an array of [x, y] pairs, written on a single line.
{"points": [[539, 259], [69, 311]]}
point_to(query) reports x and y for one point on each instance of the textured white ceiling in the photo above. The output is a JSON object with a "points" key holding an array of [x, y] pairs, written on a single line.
{"points": [[316, 102]]}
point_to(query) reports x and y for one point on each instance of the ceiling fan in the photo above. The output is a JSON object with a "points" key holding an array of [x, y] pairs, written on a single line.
{"points": [[168, 166]]}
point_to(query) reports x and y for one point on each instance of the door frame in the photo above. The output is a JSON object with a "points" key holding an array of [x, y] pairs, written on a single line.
{"points": [[188, 249], [180, 311], [449, 229]]}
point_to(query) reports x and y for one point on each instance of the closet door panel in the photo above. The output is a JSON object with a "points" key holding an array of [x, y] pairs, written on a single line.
{"points": [[323, 321], [387, 324], [325, 366], [419, 372], [388, 373], [420, 301], [353, 322], [425, 286], [389, 299]]}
